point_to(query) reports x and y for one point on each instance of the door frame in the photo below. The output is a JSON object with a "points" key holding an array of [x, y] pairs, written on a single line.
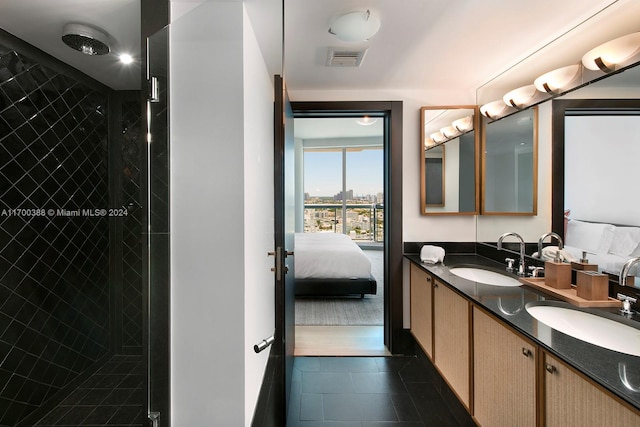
{"points": [[394, 335]]}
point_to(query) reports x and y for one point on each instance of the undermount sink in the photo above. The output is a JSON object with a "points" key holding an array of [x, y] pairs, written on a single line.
{"points": [[486, 277], [588, 327]]}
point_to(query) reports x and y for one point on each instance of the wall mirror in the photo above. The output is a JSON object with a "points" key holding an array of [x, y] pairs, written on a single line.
{"points": [[510, 164], [597, 125], [449, 165]]}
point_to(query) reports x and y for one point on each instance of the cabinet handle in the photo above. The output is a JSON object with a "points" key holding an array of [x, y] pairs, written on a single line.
{"points": [[435, 285], [526, 352], [550, 368]]}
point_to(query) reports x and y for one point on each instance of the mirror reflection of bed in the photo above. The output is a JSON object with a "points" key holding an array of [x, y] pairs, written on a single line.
{"points": [[339, 265], [602, 211]]}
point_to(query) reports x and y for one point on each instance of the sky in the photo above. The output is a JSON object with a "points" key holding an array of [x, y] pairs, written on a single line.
{"points": [[323, 172]]}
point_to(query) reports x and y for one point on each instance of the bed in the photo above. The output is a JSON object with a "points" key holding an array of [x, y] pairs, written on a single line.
{"points": [[331, 264]]}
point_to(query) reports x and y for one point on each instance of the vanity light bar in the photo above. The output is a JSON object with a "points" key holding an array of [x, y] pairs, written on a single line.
{"points": [[606, 58], [457, 128]]}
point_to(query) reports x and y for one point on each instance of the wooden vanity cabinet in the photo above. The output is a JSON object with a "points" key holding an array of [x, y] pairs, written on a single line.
{"points": [[504, 370], [501, 377], [570, 399], [422, 308], [452, 340]]}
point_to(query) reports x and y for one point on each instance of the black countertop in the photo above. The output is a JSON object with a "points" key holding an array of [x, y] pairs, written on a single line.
{"points": [[617, 372]]}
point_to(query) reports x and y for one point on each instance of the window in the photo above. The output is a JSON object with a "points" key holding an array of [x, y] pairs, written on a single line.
{"points": [[343, 191]]}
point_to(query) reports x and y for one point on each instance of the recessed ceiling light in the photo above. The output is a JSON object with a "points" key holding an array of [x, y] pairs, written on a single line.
{"points": [[125, 58]]}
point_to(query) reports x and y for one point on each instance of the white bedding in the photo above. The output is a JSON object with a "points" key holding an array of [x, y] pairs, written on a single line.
{"points": [[606, 245], [606, 262], [329, 256]]}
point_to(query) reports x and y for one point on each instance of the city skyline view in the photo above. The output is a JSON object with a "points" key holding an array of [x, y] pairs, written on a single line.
{"points": [[323, 172]]}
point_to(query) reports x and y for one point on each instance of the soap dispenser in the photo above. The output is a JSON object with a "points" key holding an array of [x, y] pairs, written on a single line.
{"points": [[581, 265], [584, 264], [557, 274]]}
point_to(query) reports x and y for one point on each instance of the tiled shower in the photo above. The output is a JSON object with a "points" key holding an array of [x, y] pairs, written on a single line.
{"points": [[70, 246]]}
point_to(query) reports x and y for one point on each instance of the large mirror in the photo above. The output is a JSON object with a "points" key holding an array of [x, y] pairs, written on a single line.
{"points": [[596, 145], [510, 164], [449, 165]]}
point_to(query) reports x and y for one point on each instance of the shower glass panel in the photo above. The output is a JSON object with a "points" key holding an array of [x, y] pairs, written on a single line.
{"points": [[157, 212]]}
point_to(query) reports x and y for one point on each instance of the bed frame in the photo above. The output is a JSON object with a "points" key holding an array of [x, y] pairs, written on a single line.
{"points": [[336, 287]]}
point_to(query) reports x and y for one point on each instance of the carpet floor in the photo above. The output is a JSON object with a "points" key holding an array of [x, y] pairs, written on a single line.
{"points": [[344, 311]]}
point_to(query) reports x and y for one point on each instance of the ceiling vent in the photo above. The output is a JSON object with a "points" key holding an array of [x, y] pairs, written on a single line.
{"points": [[340, 57]]}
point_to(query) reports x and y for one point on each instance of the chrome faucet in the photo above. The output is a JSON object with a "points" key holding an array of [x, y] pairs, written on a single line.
{"points": [[544, 236], [522, 268], [624, 272]]}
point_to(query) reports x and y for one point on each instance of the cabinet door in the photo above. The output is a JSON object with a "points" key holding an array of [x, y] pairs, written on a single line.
{"points": [[504, 370], [422, 309], [451, 350], [572, 400]]}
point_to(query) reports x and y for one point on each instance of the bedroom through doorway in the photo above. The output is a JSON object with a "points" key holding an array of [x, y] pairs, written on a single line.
{"points": [[339, 270]]}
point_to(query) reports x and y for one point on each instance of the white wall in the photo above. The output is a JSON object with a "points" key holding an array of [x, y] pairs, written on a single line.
{"points": [[221, 124], [416, 227], [259, 296]]}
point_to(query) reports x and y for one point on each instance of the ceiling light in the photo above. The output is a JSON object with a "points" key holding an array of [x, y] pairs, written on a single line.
{"points": [[85, 39], [355, 26], [366, 121], [464, 124], [556, 81], [521, 97], [125, 58], [606, 56], [495, 109], [438, 137]]}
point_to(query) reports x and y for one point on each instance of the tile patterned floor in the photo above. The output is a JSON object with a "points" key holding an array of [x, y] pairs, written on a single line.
{"points": [[113, 397], [369, 392]]}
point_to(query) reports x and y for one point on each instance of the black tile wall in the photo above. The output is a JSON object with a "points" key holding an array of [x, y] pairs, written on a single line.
{"points": [[132, 228], [54, 264]]}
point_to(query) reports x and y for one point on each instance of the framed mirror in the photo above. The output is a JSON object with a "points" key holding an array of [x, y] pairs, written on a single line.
{"points": [[449, 184], [510, 164]]}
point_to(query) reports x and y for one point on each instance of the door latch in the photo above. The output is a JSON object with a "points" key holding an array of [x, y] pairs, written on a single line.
{"points": [[278, 262]]}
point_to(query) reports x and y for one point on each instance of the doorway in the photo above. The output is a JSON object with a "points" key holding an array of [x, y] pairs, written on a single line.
{"points": [[382, 240], [339, 186]]}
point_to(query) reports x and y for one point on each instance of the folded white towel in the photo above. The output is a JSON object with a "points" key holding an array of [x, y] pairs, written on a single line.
{"points": [[549, 254], [431, 254]]}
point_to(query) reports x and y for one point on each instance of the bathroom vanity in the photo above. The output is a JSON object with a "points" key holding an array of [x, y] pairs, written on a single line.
{"points": [[506, 367]]}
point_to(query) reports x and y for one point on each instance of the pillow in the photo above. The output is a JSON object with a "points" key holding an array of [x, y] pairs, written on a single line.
{"points": [[590, 236], [625, 241]]}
